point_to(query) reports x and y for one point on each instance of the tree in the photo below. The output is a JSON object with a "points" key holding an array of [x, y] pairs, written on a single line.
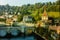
{"points": [[20, 17], [58, 2]]}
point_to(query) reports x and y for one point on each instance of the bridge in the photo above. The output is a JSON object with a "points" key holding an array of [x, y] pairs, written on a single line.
{"points": [[22, 29]]}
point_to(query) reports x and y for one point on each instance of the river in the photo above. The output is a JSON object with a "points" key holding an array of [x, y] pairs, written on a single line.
{"points": [[19, 38]]}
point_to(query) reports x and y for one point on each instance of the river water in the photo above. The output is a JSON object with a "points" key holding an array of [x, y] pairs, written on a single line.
{"points": [[3, 33], [19, 38]]}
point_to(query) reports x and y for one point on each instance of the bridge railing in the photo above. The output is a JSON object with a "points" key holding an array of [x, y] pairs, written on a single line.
{"points": [[21, 28]]}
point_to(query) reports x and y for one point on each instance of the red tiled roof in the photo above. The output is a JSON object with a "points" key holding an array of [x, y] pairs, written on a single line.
{"points": [[45, 14]]}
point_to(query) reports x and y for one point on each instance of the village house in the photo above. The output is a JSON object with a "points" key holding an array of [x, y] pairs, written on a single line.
{"points": [[27, 19], [2, 17], [14, 18], [10, 19], [56, 28], [45, 19]]}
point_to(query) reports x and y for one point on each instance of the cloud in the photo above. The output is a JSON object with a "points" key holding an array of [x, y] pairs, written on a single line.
{"points": [[22, 2], [3, 2]]}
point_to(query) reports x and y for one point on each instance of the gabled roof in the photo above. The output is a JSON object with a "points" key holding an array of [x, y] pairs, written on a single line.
{"points": [[44, 13], [2, 17]]}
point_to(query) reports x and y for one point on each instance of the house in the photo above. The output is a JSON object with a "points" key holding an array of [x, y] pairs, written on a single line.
{"points": [[44, 16], [9, 21], [2, 16], [40, 24], [27, 19], [10, 18], [44, 19], [56, 28], [15, 18]]}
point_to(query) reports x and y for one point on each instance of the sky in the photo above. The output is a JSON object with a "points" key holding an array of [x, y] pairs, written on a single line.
{"points": [[22, 2]]}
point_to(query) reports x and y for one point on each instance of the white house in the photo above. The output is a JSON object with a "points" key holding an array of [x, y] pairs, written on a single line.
{"points": [[27, 19]]}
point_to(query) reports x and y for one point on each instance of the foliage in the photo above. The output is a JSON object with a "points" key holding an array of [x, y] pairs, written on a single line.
{"points": [[2, 20], [44, 32], [20, 17], [54, 14], [32, 9]]}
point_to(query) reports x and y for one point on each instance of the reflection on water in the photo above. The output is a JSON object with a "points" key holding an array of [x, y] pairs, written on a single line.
{"points": [[19, 38]]}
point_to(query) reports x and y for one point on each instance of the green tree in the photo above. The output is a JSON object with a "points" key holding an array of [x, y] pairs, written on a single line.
{"points": [[20, 17]]}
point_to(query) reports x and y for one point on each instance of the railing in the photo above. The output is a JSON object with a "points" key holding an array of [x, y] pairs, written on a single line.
{"points": [[17, 28], [40, 35]]}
